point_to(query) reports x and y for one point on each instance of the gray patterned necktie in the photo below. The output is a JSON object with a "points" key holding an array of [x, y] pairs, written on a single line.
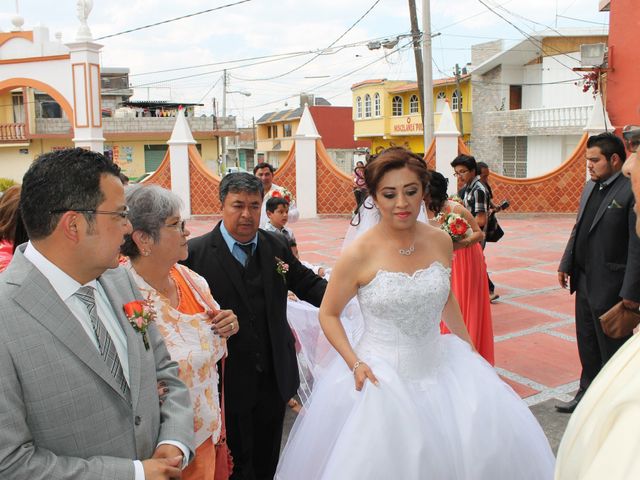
{"points": [[105, 344]]}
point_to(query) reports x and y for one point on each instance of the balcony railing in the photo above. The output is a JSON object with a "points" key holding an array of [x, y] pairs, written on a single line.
{"points": [[559, 117], [12, 132], [138, 124]]}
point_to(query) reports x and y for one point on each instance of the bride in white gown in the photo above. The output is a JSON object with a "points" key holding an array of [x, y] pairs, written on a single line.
{"points": [[406, 402]]}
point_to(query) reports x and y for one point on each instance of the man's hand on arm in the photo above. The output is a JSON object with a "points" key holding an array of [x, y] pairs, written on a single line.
{"points": [[162, 468]]}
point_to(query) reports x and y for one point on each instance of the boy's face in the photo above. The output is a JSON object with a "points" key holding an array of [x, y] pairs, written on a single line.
{"points": [[279, 217]]}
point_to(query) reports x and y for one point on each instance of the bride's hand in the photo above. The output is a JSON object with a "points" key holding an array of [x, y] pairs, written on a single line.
{"points": [[362, 372]]}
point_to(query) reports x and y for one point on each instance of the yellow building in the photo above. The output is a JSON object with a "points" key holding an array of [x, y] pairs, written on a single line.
{"points": [[387, 112]]}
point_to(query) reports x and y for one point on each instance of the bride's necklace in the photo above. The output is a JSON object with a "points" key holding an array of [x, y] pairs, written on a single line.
{"points": [[407, 251]]}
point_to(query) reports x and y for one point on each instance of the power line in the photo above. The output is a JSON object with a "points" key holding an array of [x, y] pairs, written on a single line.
{"points": [[582, 20], [529, 37], [174, 19], [327, 48]]}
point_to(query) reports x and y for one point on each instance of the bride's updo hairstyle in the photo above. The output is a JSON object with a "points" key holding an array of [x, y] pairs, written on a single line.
{"points": [[437, 191], [395, 158]]}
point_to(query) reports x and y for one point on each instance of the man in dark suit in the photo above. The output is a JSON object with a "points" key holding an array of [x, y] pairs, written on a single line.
{"points": [[250, 271], [602, 258]]}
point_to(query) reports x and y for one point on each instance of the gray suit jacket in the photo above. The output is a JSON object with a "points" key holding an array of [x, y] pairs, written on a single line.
{"points": [[613, 250], [62, 415]]}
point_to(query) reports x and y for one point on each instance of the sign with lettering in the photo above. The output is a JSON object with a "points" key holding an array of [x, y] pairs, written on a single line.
{"points": [[407, 126]]}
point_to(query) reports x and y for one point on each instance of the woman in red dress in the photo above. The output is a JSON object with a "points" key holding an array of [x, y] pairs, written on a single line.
{"points": [[468, 269]]}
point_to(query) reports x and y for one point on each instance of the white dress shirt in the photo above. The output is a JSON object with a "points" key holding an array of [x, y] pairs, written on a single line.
{"points": [[66, 287]]}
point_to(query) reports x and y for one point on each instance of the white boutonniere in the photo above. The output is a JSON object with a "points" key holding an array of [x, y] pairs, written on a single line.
{"points": [[282, 268]]}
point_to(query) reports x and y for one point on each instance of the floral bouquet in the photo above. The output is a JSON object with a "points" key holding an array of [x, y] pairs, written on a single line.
{"points": [[456, 226], [283, 193]]}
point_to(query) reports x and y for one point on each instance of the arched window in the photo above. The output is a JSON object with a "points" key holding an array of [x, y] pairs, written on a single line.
{"points": [[413, 104], [367, 105], [456, 101], [358, 107], [396, 106], [376, 105]]}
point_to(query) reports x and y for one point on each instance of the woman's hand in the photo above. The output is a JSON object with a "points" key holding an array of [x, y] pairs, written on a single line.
{"points": [[225, 323], [362, 372], [163, 390]]}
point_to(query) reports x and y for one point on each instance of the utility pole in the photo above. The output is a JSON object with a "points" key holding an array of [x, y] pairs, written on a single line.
{"points": [[457, 75], [224, 115], [417, 52], [427, 74]]}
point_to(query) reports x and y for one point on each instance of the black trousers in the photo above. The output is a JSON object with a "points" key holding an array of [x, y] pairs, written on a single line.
{"points": [[594, 347], [254, 435]]}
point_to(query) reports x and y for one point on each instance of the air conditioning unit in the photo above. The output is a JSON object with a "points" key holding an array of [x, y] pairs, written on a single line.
{"points": [[592, 54]]}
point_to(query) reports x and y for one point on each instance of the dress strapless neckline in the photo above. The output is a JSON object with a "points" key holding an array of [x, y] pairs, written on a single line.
{"points": [[382, 271]]}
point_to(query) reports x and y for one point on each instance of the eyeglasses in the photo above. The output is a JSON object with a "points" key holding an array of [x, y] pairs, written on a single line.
{"points": [[460, 173], [123, 214], [181, 225], [631, 135]]}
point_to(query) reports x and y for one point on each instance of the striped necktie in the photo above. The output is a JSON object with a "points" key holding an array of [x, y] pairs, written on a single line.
{"points": [[105, 344]]}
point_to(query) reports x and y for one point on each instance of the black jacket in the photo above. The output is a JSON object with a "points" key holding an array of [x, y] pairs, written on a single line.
{"points": [[209, 256]]}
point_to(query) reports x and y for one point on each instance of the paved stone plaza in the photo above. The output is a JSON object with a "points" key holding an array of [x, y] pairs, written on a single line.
{"points": [[533, 324]]}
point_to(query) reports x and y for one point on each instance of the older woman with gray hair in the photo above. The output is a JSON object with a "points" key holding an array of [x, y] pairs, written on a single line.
{"points": [[190, 320]]}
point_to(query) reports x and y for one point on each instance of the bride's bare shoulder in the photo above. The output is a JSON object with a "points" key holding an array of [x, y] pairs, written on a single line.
{"points": [[435, 236]]}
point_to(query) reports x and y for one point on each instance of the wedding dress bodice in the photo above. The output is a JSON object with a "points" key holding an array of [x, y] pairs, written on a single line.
{"points": [[402, 319]]}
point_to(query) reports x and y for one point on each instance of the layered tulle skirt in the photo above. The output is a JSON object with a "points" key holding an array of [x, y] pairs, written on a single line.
{"points": [[459, 421]]}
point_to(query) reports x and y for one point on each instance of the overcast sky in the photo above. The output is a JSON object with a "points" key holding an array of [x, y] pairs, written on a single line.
{"points": [[290, 29]]}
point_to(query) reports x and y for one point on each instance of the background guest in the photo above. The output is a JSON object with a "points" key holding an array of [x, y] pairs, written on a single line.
{"points": [[468, 269], [601, 439], [359, 185], [264, 171], [278, 214], [601, 262], [184, 310], [12, 231]]}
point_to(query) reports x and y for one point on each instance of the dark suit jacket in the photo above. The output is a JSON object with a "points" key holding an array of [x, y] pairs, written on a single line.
{"points": [[209, 256], [613, 250]]}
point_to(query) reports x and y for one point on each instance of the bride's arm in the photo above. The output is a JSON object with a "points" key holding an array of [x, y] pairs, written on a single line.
{"points": [[342, 288], [453, 318]]}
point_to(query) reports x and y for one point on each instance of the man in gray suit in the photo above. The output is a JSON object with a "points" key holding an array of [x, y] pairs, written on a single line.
{"points": [[602, 257], [78, 386]]}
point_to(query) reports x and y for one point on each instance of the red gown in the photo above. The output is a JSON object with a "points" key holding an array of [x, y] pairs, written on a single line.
{"points": [[471, 289]]}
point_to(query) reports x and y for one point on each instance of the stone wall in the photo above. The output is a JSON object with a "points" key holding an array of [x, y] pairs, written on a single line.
{"points": [[482, 52], [488, 96]]}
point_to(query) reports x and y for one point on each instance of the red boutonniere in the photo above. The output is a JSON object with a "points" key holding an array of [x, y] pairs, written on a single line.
{"points": [[140, 315], [282, 268]]}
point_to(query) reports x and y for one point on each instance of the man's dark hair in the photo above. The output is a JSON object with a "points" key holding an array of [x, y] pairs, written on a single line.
{"points": [[62, 180], [263, 165], [273, 202], [240, 182], [608, 143], [481, 165], [466, 161]]}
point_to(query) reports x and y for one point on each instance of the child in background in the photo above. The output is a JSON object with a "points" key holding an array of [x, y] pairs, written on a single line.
{"points": [[278, 215], [317, 269]]}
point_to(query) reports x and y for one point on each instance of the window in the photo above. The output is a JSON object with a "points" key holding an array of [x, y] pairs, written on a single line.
{"points": [[367, 105], [358, 107], [515, 97], [274, 131], [514, 157], [413, 104], [396, 106], [286, 130], [376, 105], [456, 101], [441, 99]]}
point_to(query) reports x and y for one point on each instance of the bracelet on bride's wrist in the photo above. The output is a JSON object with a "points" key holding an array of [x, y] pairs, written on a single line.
{"points": [[356, 365]]}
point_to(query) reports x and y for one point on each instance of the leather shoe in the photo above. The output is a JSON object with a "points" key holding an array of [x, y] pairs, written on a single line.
{"points": [[570, 406]]}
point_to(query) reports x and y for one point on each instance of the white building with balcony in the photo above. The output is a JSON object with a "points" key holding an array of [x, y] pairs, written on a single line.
{"points": [[529, 106]]}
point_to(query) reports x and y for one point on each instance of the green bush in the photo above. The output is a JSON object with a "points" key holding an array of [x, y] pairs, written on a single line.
{"points": [[6, 183]]}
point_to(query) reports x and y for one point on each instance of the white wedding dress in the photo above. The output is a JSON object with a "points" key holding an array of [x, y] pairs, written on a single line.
{"points": [[440, 411]]}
